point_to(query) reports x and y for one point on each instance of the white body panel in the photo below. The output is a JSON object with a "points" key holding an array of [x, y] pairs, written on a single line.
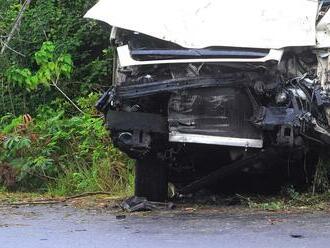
{"points": [[125, 59], [204, 23]]}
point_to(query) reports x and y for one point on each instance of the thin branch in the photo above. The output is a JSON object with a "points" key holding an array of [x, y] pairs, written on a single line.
{"points": [[11, 49], [50, 201], [68, 98], [15, 26], [43, 29], [43, 177], [87, 194]]}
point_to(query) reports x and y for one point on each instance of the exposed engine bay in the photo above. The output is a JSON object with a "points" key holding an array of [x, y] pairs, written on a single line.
{"points": [[249, 105], [177, 101]]}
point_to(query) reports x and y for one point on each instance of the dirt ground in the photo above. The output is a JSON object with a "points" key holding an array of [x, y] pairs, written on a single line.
{"points": [[98, 221]]}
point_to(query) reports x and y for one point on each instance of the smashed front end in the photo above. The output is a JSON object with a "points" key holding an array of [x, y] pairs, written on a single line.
{"points": [[220, 90]]}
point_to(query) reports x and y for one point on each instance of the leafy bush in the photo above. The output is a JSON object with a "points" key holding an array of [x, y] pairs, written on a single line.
{"points": [[57, 64], [62, 23], [65, 154]]}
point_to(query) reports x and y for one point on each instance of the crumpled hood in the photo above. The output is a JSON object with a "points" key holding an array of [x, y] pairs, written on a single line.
{"points": [[272, 24]]}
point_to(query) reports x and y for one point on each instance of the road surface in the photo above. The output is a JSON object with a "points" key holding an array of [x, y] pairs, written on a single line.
{"points": [[62, 226]]}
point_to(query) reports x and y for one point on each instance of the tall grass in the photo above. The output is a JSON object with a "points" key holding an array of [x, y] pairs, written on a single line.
{"points": [[107, 176], [64, 154]]}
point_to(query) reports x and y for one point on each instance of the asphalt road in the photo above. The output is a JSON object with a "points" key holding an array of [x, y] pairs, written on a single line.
{"points": [[63, 226]]}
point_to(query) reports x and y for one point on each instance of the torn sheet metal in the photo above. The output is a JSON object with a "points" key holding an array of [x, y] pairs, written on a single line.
{"points": [[125, 59], [136, 204], [205, 23], [323, 31]]}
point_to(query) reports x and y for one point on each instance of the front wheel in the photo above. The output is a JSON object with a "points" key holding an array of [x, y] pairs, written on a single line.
{"points": [[151, 179]]}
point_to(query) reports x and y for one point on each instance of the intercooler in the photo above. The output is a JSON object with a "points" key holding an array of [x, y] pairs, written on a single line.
{"points": [[218, 116]]}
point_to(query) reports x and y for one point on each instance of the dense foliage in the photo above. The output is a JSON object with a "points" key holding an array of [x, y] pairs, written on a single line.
{"points": [[51, 73]]}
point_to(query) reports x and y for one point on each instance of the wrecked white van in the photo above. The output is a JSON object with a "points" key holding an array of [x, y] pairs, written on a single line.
{"points": [[204, 88]]}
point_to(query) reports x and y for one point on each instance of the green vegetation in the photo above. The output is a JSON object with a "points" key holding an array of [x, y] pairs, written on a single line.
{"points": [[301, 201], [52, 71]]}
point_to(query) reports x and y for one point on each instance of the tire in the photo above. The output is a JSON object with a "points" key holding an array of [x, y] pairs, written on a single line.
{"points": [[151, 179]]}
